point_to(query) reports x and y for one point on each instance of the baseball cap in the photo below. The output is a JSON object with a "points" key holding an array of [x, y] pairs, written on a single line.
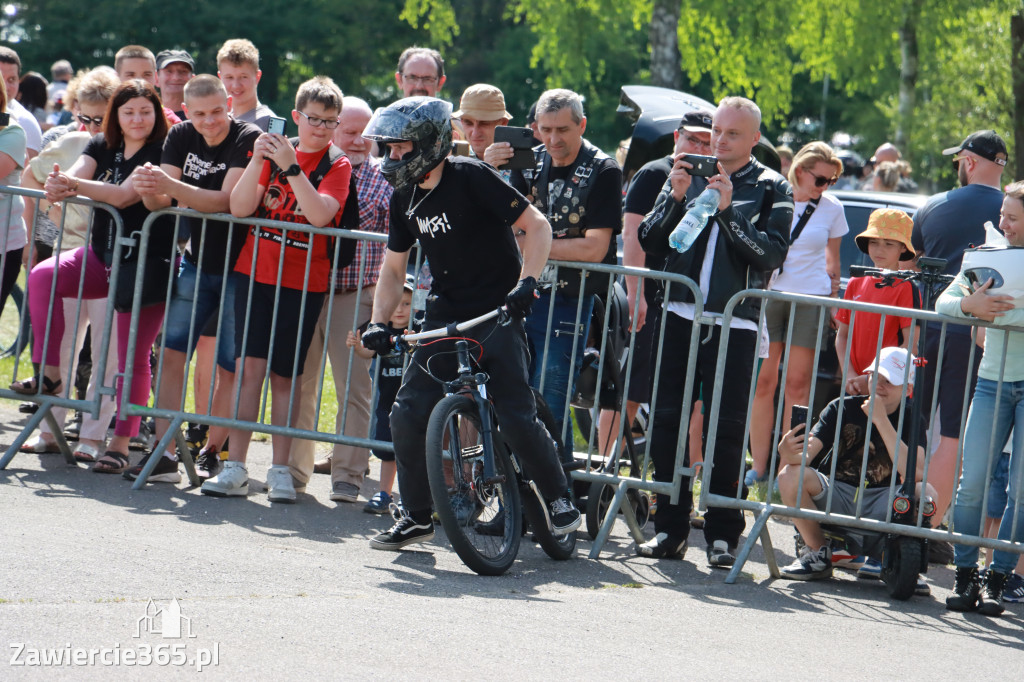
{"points": [[888, 223], [696, 121], [170, 56], [483, 102], [410, 282], [891, 363], [985, 143]]}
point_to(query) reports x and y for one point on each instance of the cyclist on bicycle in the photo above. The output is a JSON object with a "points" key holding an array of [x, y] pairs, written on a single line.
{"points": [[465, 217]]}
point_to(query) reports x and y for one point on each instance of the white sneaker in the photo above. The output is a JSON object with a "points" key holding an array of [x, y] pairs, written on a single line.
{"points": [[232, 481], [279, 484]]}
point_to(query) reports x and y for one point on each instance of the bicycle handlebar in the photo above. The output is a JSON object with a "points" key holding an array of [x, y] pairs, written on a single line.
{"points": [[452, 329]]}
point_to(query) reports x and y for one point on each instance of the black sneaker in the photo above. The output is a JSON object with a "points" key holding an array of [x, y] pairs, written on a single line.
{"points": [[991, 604], [721, 556], [663, 546], [142, 441], [967, 590], [564, 516], [405, 532], [72, 430], [811, 565], [165, 471], [27, 407], [196, 436], [208, 463]]}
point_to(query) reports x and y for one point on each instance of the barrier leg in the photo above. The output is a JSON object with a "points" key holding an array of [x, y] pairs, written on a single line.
{"points": [[173, 427], [58, 433], [609, 520], [33, 423], [759, 530]]}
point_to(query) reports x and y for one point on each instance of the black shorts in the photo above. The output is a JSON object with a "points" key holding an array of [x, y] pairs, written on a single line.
{"points": [[292, 325], [953, 380]]}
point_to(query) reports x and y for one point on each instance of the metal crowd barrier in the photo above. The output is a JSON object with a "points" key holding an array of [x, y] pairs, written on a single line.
{"points": [[41, 335], [763, 510]]}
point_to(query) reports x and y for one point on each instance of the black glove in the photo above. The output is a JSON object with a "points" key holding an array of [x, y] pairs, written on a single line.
{"points": [[520, 300], [377, 338]]}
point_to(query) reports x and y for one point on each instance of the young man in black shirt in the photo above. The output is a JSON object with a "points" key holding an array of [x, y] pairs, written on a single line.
{"points": [[464, 216], [203, 159]]}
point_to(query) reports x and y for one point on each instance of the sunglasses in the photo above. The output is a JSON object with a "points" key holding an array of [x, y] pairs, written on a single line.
{"points": [[328, 123], [89, 120], [821, 180]]}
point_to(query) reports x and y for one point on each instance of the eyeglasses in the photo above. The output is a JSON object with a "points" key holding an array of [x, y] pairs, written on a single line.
{"points": [[89, 120], [423, 80], [957, 160], [821, 180], [329, 123], [696, 141]]}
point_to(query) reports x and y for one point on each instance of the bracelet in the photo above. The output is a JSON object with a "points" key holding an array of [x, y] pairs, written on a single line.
{"points": [[77, 183]]}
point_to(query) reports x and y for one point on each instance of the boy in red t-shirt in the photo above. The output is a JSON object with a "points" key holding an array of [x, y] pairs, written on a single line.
{"points": [[887, 241], [290, 181]]}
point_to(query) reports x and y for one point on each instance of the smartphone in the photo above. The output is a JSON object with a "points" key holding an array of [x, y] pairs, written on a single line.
{"points": [[460, 148], [799, 416], [276, 125], [703, 166], [5, 119], [521, 140]]}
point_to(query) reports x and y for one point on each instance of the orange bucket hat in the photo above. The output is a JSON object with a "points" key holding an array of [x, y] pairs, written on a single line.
{"points": [[889, 223]]}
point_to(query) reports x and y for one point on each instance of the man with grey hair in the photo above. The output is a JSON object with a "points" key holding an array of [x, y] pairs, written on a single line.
{"points": [[740, 244], [354, 288], [420, 72], [579, 189]]}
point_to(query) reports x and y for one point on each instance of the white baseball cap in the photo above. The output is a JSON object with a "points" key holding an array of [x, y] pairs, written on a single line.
{"points": [[892, 363]]}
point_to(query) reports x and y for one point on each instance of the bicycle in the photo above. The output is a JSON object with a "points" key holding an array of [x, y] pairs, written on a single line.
{"points": [[478, 486]]}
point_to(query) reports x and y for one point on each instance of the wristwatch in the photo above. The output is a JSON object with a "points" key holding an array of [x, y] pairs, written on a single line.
{"points": [[291, 171]]}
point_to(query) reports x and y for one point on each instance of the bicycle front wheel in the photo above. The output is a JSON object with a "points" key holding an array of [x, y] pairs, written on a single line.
{"points": [[481, 516]]}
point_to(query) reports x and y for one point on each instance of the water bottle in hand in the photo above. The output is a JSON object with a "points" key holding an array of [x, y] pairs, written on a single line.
{"points": [[693, 223]]}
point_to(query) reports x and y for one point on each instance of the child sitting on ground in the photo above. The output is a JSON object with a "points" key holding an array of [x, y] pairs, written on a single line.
{"points": [[389, 379], [887, 241]]}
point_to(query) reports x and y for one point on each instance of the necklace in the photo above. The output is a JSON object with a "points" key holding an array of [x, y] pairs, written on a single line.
{"points": [[412, 209]]}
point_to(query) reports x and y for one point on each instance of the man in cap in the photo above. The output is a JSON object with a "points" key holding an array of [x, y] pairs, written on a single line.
{"points": [[481, 110], [173, 69], [844, 424], [944, 227]]}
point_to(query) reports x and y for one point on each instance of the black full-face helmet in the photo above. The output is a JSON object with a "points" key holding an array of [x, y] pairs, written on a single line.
{"points": [[424, 121]]}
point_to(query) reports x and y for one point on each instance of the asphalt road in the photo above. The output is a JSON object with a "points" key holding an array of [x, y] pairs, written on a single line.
{"points": [[290, 591]]}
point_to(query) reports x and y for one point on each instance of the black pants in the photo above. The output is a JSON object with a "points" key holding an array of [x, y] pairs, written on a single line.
{"points": [[726, 477], [12, 268], [505, 360]]}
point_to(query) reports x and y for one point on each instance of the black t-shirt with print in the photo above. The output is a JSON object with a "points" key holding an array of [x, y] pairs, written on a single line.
{"points": [[464, 228], [112, 168], [205, 167], [849, 448]]}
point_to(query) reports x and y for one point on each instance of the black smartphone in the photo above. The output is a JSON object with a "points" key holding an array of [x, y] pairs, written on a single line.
{"points": [[521, 140], [799, 416], [703, 166], [276, 125], [5, 119]]}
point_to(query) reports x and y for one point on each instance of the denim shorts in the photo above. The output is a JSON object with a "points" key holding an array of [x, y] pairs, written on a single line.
{"points": [[997, 487], [206, 300]]}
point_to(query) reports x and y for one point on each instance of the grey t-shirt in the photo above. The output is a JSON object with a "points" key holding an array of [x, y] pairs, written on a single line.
{"points": [[260, 116]]}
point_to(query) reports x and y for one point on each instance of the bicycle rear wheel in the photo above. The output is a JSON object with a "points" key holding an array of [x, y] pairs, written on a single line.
{"points": [[463, 497]]}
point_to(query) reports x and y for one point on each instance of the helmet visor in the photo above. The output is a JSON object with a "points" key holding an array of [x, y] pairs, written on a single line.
{"points": [[388, 125]]}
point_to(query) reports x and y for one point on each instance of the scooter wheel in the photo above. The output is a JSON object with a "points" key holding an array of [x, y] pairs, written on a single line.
{"points": [[899, 571]]}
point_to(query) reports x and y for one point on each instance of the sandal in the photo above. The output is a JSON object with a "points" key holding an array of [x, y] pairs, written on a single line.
{"points": [[112, 462], [31, 386], [40, 446], [86, 453]]}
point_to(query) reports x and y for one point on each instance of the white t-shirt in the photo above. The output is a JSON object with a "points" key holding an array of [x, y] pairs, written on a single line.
{"points": [[28, 122], [804, 270], [12, 235]]}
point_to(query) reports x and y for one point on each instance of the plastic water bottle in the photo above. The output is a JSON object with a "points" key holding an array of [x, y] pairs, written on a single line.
{"points": [[693, 223]]}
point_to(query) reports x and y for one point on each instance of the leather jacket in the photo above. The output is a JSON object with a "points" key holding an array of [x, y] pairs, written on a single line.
{"points": [[749, 246]]}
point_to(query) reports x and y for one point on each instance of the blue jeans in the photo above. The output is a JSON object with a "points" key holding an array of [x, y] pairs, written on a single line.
{"points": [[562, 368], [206, 301], [988, 427]]}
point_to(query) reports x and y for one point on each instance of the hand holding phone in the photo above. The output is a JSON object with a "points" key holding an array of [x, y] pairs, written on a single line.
{"points": [[799, 416], [521, 140], [702, 166]]}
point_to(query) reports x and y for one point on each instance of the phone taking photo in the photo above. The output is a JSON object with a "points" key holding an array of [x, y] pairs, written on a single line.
{"points": [[703, 166], [521, 140], [799, 416], [276, 125]]}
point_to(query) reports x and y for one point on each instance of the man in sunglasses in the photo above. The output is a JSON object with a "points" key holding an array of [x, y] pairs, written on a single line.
{"points": [[742, 241], [944, 227], [203, 159]]}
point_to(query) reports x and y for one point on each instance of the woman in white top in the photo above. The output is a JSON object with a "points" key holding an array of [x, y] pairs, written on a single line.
{"points": [[811, 267], [13, 237]]}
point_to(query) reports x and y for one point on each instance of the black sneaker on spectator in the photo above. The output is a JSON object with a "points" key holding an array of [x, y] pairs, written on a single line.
{"points": [[72, 430], [165, 471], [208, 463], [196, 436], [811, 565], [28, 407], [405, 531], [720, 556], [663, 546], [565, 517], [143, 441]]}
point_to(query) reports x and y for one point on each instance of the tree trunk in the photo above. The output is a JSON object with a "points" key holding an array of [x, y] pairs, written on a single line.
{"points": [[908, 74], [664, 39], [1017, 71]]}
